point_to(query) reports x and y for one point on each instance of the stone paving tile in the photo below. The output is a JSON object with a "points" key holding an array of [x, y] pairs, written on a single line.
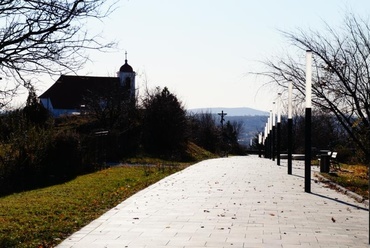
{"points": [[231, 202]]}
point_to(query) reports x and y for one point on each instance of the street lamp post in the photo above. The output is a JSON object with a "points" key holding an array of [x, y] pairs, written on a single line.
{"points": [[278, 130], [271, 144], [307, 176], [259, 144], [290, 127], [265, 140], [273, 138]]}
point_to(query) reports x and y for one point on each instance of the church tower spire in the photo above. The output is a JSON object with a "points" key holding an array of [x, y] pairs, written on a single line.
{"points": [[127, 78]]}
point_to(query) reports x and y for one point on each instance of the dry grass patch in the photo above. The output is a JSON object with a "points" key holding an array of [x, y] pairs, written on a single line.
{"points": [[352, 177]]}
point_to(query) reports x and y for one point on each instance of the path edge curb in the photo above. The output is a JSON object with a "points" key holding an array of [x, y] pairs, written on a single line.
{"points": [[345, 191]]}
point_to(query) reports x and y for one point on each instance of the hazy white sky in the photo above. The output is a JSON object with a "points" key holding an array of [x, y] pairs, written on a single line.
{"points": [[203, 50]]}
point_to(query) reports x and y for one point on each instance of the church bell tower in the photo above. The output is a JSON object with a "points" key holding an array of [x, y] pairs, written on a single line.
{"points": [[127, 79]]}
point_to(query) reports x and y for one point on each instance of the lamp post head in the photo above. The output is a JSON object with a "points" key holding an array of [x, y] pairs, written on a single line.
{"points": [[290, 93], [308, 78]]}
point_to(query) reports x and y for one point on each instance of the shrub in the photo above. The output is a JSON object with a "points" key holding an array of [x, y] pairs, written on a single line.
{"points": [[164, 124], [204, 131], [23, 155], [64, 156]]}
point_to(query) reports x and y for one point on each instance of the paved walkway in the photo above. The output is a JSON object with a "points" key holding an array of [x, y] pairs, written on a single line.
{"points": [[230, 202]]}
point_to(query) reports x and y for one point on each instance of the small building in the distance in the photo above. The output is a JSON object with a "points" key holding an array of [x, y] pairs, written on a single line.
{"points": [[72, 95]]}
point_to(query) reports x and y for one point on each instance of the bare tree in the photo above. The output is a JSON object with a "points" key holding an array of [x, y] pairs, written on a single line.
{"points": [[110, 106], [341, 80], [204, 130], [47, 36]]}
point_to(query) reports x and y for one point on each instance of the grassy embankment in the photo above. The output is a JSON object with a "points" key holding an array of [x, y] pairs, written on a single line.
{"points": [[44, 217], [351, 177]]}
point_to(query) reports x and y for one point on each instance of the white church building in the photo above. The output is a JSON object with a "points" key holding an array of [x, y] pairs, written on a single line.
{"points": [[69, 94]]}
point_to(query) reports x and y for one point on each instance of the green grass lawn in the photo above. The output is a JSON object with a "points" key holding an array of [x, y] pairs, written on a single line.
{"points": [[44, 217]]}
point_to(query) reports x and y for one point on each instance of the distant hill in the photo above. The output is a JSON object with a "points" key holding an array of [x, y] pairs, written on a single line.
{"points": [[252, 125], [243, 111], [253, 120]]}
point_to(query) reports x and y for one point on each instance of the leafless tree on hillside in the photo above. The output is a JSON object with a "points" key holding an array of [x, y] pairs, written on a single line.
{"points": [[341, 74]]}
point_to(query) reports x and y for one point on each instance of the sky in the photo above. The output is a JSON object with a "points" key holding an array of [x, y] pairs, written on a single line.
{"points": [[207, 51]]}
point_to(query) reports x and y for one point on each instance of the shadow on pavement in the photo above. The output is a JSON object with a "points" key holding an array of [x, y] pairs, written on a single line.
{"points": [[339, 201]]}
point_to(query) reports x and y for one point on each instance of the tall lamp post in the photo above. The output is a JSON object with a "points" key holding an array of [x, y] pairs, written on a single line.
{"points": [[307, 175], [290, 127], [278, 130], [265, 140], [273, 137], [259, 144], [271, 144]]}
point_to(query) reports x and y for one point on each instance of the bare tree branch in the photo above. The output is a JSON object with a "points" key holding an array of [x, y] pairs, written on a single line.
{"points": [[341, 80], [48, 36]]}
